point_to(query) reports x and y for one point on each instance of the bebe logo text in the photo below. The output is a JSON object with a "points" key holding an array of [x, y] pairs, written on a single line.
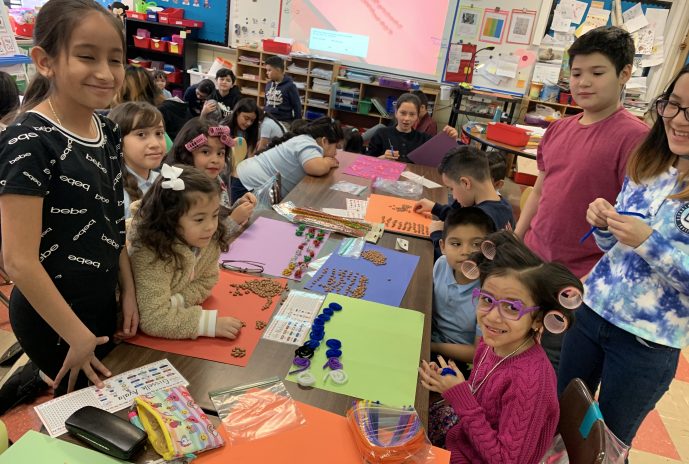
{"points": [[81, 260]]}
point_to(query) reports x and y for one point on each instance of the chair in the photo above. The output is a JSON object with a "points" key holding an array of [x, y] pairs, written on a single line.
{"points": [[581, 425]]}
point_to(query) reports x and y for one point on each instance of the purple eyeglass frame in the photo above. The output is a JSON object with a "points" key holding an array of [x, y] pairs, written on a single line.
{"points": [[477, 292]]}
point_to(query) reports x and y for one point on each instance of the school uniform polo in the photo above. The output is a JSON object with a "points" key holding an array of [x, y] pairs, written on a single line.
{"points": [[142, 184], [80, 181], [454, 313]]}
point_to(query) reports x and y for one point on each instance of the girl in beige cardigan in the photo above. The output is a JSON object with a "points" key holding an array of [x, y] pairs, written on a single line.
{"points": [[174, 254]]}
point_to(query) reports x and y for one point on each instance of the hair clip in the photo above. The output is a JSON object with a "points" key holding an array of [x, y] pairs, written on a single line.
{"points": [[555, 322], [570, 298], [198, 141], [171, 175], [470, 270], [224, 133], [488, 249]]}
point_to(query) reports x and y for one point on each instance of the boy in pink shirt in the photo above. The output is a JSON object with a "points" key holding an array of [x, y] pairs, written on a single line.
{"points": [[582, 157]]}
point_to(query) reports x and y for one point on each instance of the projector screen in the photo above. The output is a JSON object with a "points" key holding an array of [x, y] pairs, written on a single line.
{"points": [[398, 37]]}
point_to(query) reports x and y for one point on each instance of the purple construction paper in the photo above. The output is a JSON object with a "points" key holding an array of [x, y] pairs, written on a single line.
{"points": [[268, 241], [370, 168], [387, 284]]}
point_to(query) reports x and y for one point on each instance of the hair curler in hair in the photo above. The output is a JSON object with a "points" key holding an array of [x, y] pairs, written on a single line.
{"points": [[488, 249], [555, 322], [470, 270], [570, 298]]}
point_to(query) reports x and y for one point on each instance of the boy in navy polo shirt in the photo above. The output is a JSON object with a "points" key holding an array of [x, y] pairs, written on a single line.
{"points": [[454, 332]]}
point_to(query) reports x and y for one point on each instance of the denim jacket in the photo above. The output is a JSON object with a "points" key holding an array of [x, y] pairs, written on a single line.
{"points": [[645, 290]]}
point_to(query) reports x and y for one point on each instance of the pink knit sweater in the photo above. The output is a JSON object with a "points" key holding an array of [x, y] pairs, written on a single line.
{"points": [[512, 418]]}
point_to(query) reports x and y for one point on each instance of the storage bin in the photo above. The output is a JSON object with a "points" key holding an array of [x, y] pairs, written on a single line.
{"points": [[140, 62], [159, 45], [152, 16], [176, 48], [504, 133], [175, 77], [364, 106], [273, 46], [141, 42], [169, 15], [189, 23], [136, 15]]}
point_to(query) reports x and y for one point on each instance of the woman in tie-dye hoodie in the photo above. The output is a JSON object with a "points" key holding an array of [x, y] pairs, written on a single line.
{"points": [[635, 319]]}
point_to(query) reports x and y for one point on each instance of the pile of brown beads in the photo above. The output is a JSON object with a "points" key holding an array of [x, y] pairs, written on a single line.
{"points": [[401, 209], [238, 352], [260, 325], [405, 226], [243, 324], [265, 288], [376, 257], [342, 281]]}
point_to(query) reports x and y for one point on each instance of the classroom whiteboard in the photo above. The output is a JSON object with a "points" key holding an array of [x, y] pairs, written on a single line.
{"points": [[253, 20], [513, 27]]}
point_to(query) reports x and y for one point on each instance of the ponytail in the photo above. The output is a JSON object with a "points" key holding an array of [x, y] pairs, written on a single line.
{"points": [[38, 90]]}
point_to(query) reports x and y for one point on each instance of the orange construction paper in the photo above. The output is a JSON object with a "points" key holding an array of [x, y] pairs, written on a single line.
{"points": [[385, 209], [246, 308], [324, 438]]}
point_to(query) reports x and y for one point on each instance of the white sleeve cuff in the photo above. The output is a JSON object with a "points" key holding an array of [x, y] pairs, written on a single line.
{"points": [[207, 323], [177, 301]]}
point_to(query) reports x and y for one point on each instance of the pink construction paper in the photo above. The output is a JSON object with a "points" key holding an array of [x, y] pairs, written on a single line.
{"points": [[370, 168], [270, 242]]}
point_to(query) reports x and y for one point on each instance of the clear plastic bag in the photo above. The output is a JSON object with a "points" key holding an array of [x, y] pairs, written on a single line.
{"points": [[542, 116], [348, 187], [256, 410], [385, 434], [351, 247], [615, 451], [399, 188], [269, 193]]}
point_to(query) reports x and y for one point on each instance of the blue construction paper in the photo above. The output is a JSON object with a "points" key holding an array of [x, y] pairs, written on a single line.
{"points": [[387, 284]]}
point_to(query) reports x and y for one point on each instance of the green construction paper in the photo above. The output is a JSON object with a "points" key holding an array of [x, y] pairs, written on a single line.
{"points": [[35, 447], [381, 346]]}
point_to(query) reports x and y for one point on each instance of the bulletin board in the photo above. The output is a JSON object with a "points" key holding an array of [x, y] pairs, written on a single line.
{"points": [[213, 13], [253, 20], [512, 27]]}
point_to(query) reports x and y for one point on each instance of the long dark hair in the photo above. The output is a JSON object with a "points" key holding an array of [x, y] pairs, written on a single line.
{"points": [[157, 221], [138, 85], [544, 281], [52, 32], [321, 127], [653, 156], [195, 126], [9, 96], [247, 105], [130, 116]]}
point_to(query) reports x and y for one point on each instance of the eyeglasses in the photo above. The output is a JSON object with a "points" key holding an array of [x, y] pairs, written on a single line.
{"points": [[668, 110], [248, 267], [512, 310]]}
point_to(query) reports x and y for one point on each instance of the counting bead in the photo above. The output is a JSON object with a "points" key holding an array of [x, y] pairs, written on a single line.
{"points": [[304, 352], [335, 306], [323, 317], [318, 322], [333, 353], [313, 344], [328, 311], [317, 336], [334, 343]]}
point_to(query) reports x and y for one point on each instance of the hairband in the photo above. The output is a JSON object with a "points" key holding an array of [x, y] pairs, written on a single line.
{"points": [[171, 175], [223, 132]]}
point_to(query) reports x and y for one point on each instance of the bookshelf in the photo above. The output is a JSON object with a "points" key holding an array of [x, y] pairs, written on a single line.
{"points": [[313, 77]]}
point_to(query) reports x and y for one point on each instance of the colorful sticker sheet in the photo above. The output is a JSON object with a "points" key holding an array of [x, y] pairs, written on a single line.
{"points": [[370, 167], [397, 214], [293, 320], [117, 394], [379, 366], [380, 274], [275, 244], [253, 310]]}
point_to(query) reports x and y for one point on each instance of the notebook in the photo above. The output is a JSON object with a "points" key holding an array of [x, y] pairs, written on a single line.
{"points": [[432, 152]]}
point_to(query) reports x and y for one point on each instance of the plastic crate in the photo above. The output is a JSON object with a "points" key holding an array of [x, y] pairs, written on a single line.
{"points": [[139, 62], [507, 134], [176, 48], [175, 77], [364, 106], [152, 16], [188, 23], [142, 42], [159, 45], [312, 114], [169, 15], [136, 15], [273, 46]]}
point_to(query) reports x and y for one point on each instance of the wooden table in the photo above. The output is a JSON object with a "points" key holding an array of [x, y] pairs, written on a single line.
{"points": [[273, 358]]}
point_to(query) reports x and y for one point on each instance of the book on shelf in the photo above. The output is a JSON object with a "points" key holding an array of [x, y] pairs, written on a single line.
{"points": [[380, 107]]}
